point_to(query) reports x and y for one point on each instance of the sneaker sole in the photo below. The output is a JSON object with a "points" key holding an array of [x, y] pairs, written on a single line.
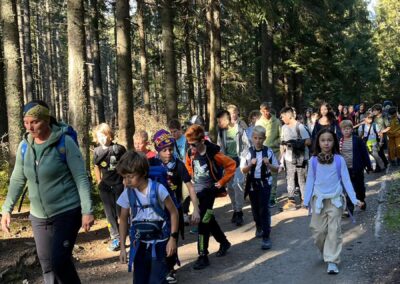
{"points": [[332, 272]]}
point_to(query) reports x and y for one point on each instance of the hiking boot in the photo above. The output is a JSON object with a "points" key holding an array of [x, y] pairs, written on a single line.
{"points": [[266, 244], [223, 249], [239, 218], [332, 268], [171, 277], [114, 246], [259, 232], [201, 262], [289, 206], [234, 216]]}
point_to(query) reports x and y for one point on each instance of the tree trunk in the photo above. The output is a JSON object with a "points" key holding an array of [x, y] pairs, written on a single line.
{"points": [[90, 71], [265, 88], [217, 50], [143, 56], [50, 61], [124, 72], [257, 52], [13, 75], [212, 107], [97, 79], [28, 70], [77, 85], [169, 59], [61, 97], [3, 101], [189, 71], [20, 20], [198, 74]]}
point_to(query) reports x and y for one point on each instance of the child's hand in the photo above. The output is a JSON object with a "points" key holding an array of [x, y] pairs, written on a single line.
{"points": [[171, 247], [266, 161], [195, 217], [217, 185], [360, 203], [254, 161], [122, 256]]}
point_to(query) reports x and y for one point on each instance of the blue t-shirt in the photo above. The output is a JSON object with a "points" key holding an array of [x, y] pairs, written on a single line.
{"points": [[180, 153]]}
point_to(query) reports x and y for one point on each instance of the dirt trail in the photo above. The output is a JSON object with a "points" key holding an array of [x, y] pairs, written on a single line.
{"points": [[292, 259]]}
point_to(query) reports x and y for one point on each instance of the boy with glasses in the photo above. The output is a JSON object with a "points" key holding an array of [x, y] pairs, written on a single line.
{"points": [[205, 162]]}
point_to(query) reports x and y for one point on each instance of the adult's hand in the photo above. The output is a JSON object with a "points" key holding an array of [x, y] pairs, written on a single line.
{"points": [[5, 222], [87, 221]]}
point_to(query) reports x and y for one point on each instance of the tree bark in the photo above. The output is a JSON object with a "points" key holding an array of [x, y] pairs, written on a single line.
{"points": [[28, 67], [170, 88], [13, 75], [189, 71], [50, 61], [143, 56], [97, 79], [217, 50], [212, 82], [3, 101], [77, 85], [124, 72]]}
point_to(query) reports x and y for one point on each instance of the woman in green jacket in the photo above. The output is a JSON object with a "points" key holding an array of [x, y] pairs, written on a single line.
{"points": [[49, 161]]}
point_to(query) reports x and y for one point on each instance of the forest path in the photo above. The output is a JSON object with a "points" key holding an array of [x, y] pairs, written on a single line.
{"points": [[368, 256]]}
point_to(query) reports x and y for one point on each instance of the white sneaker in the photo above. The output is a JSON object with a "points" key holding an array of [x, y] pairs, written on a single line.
{"points": [[332, 268]]}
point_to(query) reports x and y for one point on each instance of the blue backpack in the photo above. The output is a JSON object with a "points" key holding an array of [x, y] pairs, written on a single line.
{"points": [[60, 144], [150, 230]]}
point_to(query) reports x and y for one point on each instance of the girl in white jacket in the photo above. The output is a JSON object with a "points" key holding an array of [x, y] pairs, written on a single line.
{"points": [[327, 175]]}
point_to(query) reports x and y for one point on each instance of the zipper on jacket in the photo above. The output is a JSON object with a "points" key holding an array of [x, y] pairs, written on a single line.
{"points": [[36, 167]]}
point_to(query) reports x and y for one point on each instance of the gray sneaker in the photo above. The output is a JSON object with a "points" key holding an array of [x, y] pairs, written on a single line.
{"points": [[266, 244], [332, 268]]}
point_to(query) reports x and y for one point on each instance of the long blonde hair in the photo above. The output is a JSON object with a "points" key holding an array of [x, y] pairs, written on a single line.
{"points": [[105, 129]]}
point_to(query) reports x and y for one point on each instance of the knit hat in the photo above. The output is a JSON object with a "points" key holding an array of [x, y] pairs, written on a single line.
{"points": [[37, 109], [162, 138]]}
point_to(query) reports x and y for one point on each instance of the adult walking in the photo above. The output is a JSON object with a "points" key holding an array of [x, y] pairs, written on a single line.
{"points": [[272, 127], [50, 162], [326, 119]]}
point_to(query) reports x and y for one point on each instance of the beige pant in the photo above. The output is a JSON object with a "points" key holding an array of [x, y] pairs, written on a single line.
{"points": [[327, 231]]}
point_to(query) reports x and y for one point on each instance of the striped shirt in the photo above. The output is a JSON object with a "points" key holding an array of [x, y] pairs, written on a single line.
{"points": [[347, 152]]}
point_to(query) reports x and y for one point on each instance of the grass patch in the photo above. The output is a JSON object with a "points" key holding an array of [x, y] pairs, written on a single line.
{"points": [[392, 216]]}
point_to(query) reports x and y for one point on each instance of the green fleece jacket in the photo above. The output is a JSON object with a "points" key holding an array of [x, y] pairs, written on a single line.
{"points": [[54, 186]]}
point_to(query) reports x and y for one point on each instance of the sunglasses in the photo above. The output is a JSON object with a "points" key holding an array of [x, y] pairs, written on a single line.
{"points": [[194, 145]]}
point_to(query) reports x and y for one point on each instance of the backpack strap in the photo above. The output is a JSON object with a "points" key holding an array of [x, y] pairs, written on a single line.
{"points": [[298, 130], [154, 200], [24, 147], [61, 148]]}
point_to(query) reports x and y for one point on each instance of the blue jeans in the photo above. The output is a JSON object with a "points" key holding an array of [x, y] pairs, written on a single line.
{"points": [[259, 195], [148, 270], [55, 238]]}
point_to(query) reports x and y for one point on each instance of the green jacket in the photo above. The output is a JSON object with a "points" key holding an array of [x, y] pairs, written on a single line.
{"points": [[54, 186], [273, 132]]}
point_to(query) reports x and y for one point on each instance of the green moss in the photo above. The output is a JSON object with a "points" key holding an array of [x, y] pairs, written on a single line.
{"points": [[392, 216]]}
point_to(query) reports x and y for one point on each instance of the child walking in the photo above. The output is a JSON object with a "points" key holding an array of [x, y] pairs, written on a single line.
{"points": [[141, 143], [153, 230], [355, 153], [105, 159], [205, 163], [258, 164], [164, 143], [324, 192]]}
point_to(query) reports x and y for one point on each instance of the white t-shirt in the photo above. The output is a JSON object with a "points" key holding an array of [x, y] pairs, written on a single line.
{"points": [[245, 161], [144, 198], [290, 133], [372, 134]]}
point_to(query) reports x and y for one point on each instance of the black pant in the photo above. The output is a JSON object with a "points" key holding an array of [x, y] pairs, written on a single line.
{"points": [[186, 205], [109, 196], [381, 153], [357, 179], [55, 239], [208, 225], [259, 194]]}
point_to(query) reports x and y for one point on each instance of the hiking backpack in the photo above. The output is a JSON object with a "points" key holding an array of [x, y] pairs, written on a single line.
{"points": [[138, 231], [60, 144], [338, 163], [264, 174], [216, 172]]}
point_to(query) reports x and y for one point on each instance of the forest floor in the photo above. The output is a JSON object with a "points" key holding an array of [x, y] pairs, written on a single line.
{"points": [[370, 251]]}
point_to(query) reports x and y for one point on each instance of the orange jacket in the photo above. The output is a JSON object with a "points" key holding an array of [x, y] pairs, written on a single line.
{"points": [[212, 152]]}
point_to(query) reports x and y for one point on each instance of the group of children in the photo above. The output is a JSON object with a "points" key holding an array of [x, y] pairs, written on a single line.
{"points": [[240, 163]]}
